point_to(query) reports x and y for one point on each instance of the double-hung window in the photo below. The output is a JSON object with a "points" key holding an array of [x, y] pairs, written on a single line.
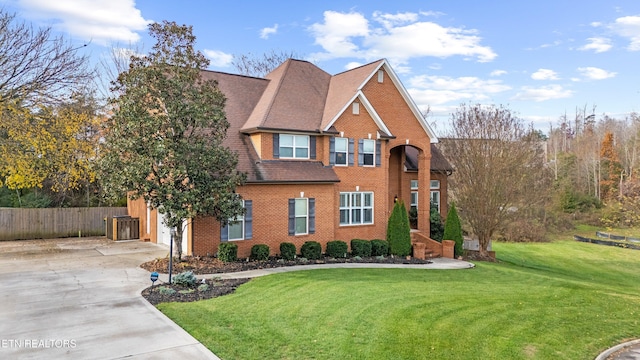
{"points": [[302, 216], [239, 227], [435, 193], [369, 152], [341, 151], [356, 208], [414, 194], [294, 146]]}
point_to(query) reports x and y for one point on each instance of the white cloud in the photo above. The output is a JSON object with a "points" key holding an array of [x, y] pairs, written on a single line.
{"points": [[594, 73], [629, 27], [544, 74], [218, 58], [353, 65], [597, 44], [498, 73], [399, 38], [117, 20], [266, 32], [436, 90], [336, 33], [543, 93], [391, 20]]}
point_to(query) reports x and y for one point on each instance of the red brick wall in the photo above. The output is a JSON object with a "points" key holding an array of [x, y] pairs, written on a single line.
{"points": [[270, 219]]}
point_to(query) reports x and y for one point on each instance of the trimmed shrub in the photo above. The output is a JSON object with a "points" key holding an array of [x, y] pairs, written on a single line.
{"points": [[228, 252], [360, 247], [311, 250], [337, 249], [453, 230], [436, 229], [166, 290], [379, 247], [203, 287], [185, 278], [398, 231], [260, 252], [287, 251]]}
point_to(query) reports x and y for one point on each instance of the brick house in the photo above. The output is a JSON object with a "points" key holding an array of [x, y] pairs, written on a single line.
{"points": [[325, 157]]}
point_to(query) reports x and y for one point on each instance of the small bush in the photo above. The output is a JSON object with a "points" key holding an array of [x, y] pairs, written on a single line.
{"points": [[360, 247], [228, 252], [311, 250], [166, 290], [287, 251], [379, 247], [203, 287], [337, 249], [260, 252], [185, 278]]}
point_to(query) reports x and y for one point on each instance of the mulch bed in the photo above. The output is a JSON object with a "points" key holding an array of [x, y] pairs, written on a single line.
{"points": [[219, 287], [216, 287]]}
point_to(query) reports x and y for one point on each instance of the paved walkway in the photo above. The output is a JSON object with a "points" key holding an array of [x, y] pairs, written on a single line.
{"points": [[626, 351], [80, 299]]}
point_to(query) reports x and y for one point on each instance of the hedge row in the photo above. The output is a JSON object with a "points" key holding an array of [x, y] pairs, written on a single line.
{"points": [[311, 250]]}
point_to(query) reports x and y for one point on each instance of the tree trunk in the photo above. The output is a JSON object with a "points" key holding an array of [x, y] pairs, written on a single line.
{"points": [[177, 241]]}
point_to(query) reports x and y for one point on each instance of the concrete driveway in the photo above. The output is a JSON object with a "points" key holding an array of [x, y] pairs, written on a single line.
{"points": [[79, 298]]}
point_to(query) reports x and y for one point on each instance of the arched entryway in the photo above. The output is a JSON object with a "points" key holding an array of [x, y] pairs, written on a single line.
{"points": [[409, 175]]}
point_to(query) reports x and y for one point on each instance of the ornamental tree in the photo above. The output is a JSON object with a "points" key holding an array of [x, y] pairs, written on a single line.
{"points": [[399, 231], [453, 230], [164, 141]]}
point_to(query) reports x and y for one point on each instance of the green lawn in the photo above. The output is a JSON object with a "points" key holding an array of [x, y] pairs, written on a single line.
{"points": [[560, 300]]}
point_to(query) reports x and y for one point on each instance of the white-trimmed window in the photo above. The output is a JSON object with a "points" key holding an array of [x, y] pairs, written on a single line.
{"points": [[414, 200], [369, 152], [294, 146], [240, 227], [355, 108], [435, 184], [341, 151], [414, 184], [356, 208], [435, 198], [302, 216]]}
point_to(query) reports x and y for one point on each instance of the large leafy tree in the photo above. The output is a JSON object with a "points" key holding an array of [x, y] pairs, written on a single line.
{"points": [[499, 169], [164, 142], [51, 147]]}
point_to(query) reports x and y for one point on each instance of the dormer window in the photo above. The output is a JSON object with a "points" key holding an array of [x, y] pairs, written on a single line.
{"points": [[294, 146]]}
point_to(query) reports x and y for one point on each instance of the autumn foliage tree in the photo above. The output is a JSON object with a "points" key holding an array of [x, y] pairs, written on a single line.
{"points": [[610, 168], [164, 141]]}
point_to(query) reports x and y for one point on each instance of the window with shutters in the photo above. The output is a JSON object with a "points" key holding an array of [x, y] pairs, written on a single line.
{"points": [[239, 227], [302, 216], [294, 146], [341, 151]]}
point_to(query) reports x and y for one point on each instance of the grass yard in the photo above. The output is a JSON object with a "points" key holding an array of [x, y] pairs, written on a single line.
{"points": [[559, 300]]}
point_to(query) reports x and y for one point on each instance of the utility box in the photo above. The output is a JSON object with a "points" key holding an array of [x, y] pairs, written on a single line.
{"points": [[123, 227]]}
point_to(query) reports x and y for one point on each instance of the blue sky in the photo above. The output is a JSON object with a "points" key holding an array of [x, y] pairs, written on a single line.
{"points": [[540, 58]]}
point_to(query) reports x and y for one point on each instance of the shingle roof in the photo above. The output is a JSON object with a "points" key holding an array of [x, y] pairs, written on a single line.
{"points": [[343, 87], [294, 99], [243, 94], [438, 162]]}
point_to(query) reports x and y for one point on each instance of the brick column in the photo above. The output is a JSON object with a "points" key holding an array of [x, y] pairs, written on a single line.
{"points": [[424, 195]]}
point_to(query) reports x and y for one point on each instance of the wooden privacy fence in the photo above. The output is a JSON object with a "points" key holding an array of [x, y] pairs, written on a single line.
{"points": [[19, 223]]}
